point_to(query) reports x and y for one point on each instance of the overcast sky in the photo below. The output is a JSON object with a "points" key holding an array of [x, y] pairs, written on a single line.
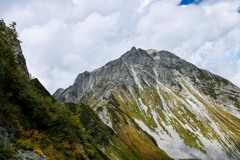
{"points": [[62, 38]]}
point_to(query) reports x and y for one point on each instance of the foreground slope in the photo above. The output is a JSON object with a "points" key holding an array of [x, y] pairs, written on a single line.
{"points": [[32, 124], [189, 112]]}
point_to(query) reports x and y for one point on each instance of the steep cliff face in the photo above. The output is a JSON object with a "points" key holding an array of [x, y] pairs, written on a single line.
{"points": [[189, 112], [20, 58], [9, 39]]}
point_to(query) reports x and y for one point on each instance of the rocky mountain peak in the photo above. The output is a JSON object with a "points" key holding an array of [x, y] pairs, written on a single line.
{"points": [[137, 56], [139, 69], [153, 57], [82, 77], [181, 106]]}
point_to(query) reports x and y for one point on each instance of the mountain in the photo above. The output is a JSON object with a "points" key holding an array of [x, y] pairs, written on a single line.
{"points": [[149, 96]]}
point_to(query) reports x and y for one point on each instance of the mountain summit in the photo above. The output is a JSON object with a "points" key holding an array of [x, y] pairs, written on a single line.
{"points": [[189, 112]]}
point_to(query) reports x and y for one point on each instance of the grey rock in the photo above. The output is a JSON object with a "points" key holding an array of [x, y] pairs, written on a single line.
{"points": [[137, 69], [26, 155], [58, 92], [9, 133], [20, 58]]}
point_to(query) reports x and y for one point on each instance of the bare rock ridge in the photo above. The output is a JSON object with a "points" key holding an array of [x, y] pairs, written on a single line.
{"points": [[189, 112], [20, 58], [162, 64]]}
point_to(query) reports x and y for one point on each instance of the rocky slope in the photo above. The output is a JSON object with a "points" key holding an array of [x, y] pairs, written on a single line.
{"points": [[189, 112]]}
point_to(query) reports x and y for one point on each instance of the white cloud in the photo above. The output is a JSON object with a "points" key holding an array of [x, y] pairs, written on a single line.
{"points": [[206, 34], [63, 38]]}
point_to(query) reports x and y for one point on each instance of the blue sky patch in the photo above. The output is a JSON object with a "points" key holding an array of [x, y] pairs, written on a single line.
{"points": [[238, 56], [187, 2]]}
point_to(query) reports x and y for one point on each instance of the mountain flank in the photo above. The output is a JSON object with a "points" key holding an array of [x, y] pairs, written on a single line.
{"points": [[189, 112]]}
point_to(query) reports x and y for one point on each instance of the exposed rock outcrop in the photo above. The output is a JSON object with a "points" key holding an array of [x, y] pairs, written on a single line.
{"points": [[20, 58]]}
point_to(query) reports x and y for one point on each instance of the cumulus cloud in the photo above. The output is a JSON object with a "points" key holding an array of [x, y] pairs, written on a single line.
{"points": [[204, 34], [63, 38]]}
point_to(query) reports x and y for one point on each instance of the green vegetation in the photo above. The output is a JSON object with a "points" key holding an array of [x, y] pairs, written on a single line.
{"points": [[36, 121]]}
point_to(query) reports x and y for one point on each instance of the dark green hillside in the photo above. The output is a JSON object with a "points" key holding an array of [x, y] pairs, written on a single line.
{"points": [[31, 120]]}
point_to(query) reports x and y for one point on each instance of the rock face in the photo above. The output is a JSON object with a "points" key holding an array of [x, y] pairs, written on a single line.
{"points": [[20, 58], [24, 155], [190, 112]]}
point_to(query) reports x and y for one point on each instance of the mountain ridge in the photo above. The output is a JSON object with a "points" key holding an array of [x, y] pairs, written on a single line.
{"points": [[175, 63], [156, 89]]}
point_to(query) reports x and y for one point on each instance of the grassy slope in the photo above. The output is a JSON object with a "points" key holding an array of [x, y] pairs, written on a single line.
{"points": [[179, 108]]}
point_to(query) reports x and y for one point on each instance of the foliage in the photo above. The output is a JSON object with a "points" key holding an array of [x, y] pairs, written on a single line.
{"points": [[5, 150], [56, 130]]}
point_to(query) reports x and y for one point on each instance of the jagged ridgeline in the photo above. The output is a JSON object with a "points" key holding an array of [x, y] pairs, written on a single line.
{"points": [[35, 126], [190, 113]]}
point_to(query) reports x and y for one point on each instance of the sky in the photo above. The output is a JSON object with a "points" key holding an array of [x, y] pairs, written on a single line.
{"points": [[186, 2], [62, 38]]}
